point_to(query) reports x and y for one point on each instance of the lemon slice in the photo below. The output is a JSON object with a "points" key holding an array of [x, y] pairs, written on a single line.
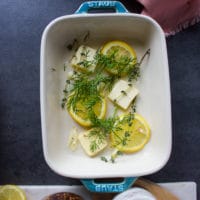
{"points": [[11, 192], [132, 134], [121, 56], [79, 112]]}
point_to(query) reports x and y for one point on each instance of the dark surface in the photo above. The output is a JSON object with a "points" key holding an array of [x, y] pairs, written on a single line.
{"points": [[21, 156]]}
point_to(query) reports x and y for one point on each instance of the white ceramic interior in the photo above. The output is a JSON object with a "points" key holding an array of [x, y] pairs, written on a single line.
{"points": [[153, 102]]}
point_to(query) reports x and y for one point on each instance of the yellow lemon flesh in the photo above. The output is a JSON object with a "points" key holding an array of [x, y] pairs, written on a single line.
{"points": [[79, 112], [131, 136], [11, 192], [121, 55]]}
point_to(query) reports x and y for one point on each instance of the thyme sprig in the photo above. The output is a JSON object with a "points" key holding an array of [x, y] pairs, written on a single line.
{"points": [[113, 157], [88, 89]]}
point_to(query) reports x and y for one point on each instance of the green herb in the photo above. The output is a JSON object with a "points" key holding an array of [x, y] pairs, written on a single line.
{"points": [[119, 153], [85, 63], [147, 53], [103, 158], [86, 37], [127, 134], [101, 128], [120, 65], [125, 139], [122, 140], [115, 155], [133, 106], [65, 66], [89, 88], [127, 119], [135, 72], [85, 52], [99, 138], [93, 146], [65, 91], [73, 45], [124, 92], [106, 126], [112, 159], [53, 69], [63, 103]]}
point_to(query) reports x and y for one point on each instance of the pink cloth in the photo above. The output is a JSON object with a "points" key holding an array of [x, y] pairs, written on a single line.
{"points": [[172, 15]]}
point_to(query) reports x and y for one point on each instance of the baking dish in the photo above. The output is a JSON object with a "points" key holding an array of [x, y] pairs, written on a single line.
{"points": [[154, 102]]}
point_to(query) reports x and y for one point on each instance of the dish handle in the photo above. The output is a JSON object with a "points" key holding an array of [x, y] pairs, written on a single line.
{"points": [[90, 5], [117, 187]]}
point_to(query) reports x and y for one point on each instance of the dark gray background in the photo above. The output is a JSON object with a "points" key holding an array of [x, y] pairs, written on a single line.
{"points": [[21, 155]]}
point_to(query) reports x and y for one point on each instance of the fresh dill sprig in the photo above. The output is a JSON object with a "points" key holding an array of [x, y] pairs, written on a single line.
{"points": [[88, 89], [94, 145], [53, 69], [99, 138], [105, 126], [119, 65], [103, 158], [102, 128]]}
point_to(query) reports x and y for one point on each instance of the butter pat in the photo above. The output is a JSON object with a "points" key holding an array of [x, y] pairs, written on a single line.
{"points": [[123, 94], [84, 58], [86, 141]]}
